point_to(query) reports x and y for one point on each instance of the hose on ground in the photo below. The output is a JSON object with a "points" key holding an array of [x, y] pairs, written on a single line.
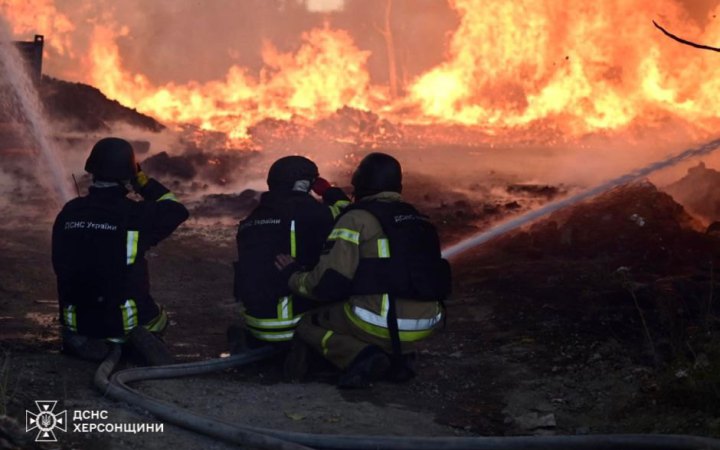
{"points": [[178, 416], [116, 386]]}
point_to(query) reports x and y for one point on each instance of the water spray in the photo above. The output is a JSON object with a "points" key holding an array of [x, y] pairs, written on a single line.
{"points": [[12, 68], [531, 216]]}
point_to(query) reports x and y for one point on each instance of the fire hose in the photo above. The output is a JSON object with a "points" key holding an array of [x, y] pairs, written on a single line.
{"points": [[116, 386]]}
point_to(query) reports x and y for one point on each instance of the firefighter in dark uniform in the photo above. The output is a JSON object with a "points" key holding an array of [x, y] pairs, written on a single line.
{"points": [[99, 243], [287, 220], [384, 275]]}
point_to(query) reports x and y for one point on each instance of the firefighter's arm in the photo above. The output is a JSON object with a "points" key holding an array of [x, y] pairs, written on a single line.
{"points": [[163, 211], [331, 278], [333, 197]]}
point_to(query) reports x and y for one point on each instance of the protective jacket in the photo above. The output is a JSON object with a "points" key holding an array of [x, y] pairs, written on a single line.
{"points": [[98, 253], [384, 258], [285, 222]]}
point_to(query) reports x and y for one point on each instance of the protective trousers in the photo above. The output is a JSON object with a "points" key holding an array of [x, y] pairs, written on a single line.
{"points": [[329, 331]]}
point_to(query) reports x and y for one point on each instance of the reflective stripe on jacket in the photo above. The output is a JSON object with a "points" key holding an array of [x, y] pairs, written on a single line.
{"points": [[357, 234], [289, 222], [98, 252]]}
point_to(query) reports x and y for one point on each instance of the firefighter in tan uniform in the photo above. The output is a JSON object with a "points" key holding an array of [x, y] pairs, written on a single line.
{"points": [[383, 277]]}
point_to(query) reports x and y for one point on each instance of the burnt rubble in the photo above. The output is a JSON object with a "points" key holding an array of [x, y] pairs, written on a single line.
{"points": [[629, 264], [347, 128], [699, 192], [634, 224], [214, 167], [235, 206], [535, 190], [84, 108]]}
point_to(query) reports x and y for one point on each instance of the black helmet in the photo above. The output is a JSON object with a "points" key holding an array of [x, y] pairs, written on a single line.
{"points": [[286, 171], [376, 173], [112, 159]]}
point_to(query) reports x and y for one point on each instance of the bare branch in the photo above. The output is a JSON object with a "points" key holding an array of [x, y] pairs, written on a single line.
{"points": [[685, 41]]}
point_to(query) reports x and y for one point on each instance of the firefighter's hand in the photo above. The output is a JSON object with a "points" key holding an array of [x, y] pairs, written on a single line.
{"points": [[287, 266], [283, 261], [141, 179], [320, 186]]}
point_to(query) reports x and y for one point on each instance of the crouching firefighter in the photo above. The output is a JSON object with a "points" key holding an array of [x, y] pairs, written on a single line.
{"points": [[384, 275], [287, 220], [99, 243]]}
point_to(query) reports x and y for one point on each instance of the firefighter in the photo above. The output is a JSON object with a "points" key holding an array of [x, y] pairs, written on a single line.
{"points": [[287, 220], [384, 277], [99, 243]]}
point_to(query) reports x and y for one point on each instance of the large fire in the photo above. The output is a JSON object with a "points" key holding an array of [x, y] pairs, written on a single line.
{"points": [[584, 67]]}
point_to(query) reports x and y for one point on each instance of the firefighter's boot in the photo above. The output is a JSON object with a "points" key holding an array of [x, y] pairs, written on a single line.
{"points": [[150, 347], [369, 366]]}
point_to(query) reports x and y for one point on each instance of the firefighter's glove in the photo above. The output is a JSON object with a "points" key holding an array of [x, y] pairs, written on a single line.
{"points": [[320, 186], [141, 179], [287, 266]]}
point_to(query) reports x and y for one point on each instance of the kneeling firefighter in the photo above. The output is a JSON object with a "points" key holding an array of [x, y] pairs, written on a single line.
{"points": [[287, 220], [384, 273], [99, 243]]}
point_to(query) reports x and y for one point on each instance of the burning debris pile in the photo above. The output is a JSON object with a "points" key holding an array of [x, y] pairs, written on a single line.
{"points": [[347, 125], [635, 225], [629, 265], [200, 167], [699, 191], [235, 206], [83, 108]]}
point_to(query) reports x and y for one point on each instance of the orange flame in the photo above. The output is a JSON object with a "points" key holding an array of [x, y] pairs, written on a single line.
{"points": [[584, 66], [600, 65], [326, 73]]}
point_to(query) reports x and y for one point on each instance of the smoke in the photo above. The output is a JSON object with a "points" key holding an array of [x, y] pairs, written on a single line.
{"points": [[23, 110], [180, 41], [552, 93]]}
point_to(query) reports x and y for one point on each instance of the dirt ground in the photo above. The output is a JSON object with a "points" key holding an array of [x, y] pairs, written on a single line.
{"points": [[534, 344]]}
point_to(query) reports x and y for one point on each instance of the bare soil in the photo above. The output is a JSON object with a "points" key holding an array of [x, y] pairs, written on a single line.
{"points": [[536, 342]]}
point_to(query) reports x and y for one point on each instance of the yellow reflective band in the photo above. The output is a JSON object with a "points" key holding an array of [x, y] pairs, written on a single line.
{"points": [[159, 323], [293, 244], [270, 323], [167, 196], [345, 235], [337, 208], [284, 307], [129, 315], [403, 324], [132, 244], [383, 248], [272, 336], [381, 332], [385, 306], [70, 317], [324, 341]]}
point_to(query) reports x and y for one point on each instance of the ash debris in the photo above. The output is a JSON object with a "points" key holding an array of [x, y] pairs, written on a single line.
{"points": [[347, 126], [699, 192], [535, 190], [83, 108], [235, 206], [594, 260], [634, 224]]}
